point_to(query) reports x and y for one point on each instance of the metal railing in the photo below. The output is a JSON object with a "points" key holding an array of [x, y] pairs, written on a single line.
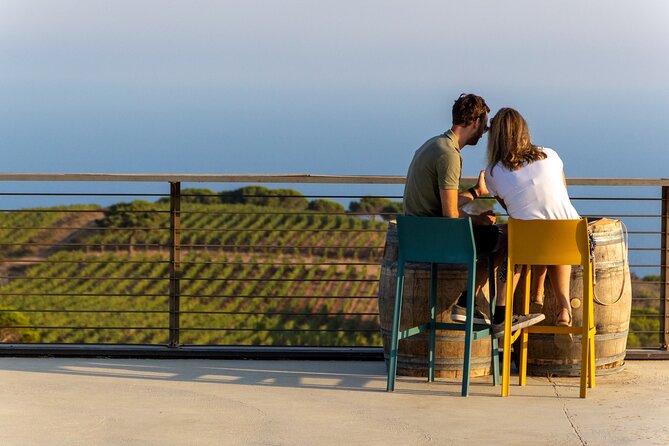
{"points": [[191, 272]]}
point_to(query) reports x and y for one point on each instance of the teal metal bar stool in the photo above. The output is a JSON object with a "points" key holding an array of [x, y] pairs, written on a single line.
{"points": [[436, 241]]}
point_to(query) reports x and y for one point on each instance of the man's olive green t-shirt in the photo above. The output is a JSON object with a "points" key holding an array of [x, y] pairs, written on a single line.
{"points": [[437, 164]]}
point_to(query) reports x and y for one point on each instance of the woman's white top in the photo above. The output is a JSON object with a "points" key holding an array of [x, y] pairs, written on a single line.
{"points": [[535, 191]]}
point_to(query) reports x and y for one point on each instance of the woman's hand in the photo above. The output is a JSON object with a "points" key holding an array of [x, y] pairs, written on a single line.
{"points": [[481, 188]]}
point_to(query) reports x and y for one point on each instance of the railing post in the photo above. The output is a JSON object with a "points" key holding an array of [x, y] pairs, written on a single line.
{"points": [[175, 261], [664, 270]]}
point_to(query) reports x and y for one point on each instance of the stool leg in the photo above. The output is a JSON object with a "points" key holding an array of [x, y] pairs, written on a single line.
{"points": [[522, 365], [433, 320], [587, 334], [494, 347], [585, 355], [394, 337], [591, 354], [469, 328], [506, 364], [592, 331], [495, 361]]}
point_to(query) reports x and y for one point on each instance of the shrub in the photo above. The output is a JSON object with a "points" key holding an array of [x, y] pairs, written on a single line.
{"points": [[374, 206], [262, 196], [321, 205], [138, 213], [196, 195], [11, 335]]}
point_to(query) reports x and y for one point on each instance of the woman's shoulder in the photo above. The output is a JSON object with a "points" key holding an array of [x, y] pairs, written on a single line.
{"points": [[552, 157], [549, 152], [496, 170]]}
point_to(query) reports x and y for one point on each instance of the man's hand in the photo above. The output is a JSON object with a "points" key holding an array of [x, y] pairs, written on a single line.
{"points": [[486, 218], [481, 188]]}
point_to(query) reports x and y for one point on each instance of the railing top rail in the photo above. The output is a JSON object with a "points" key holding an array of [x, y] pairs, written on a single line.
{"points": [[286, 178], [206, 178]]}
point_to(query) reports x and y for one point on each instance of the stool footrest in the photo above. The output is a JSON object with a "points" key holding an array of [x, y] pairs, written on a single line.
{"points": [[413, 331], [479, 332], [555, 329]]}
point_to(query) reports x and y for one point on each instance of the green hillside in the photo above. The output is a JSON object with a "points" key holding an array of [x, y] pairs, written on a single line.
{"points": [[251, 275], [240, 228], [21, 231]]}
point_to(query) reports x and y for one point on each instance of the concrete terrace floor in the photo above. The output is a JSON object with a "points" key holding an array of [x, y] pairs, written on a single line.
{"points": [[64, 401]]}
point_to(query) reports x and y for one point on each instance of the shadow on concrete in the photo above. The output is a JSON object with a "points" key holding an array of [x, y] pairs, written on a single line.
{"points": [[325, 375]]}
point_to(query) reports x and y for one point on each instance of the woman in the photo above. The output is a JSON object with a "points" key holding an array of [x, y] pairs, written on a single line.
{"points": [[528, 181]]}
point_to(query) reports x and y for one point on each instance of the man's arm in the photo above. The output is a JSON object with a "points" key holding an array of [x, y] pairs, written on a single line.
{"points": [[450, 203], [449, 208], [465, 197]]}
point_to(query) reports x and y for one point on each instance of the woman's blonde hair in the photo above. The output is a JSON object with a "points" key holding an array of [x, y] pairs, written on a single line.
{"points": [[509, 141]]}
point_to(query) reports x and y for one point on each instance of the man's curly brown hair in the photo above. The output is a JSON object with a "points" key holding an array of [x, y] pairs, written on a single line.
{"points": [[468, 108]]}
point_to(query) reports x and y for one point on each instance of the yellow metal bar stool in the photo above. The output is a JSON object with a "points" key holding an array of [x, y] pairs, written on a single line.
{"points": [[549, 242], [436, 241]]}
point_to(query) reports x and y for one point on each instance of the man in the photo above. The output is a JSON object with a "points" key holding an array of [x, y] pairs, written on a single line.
{"points": [[432, 189]]}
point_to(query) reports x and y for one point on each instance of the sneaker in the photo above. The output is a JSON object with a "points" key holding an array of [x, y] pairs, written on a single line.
{"points": [[459, 314], [517, 322]]}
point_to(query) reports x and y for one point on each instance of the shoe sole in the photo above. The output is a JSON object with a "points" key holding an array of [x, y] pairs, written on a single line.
{"points": [[518, 325], [527, 323], [461, 318]]}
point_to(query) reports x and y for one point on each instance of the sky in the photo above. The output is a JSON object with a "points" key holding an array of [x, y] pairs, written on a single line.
{"points": [[324, 87]]}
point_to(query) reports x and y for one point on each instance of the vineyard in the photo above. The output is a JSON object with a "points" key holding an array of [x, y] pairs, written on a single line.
{"points": [[243, 228], [250, 275], [267, 270], [22, 231]]}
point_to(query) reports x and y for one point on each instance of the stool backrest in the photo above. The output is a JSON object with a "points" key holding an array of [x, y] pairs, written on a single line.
{"points": [[549, 242], [435, 239]]}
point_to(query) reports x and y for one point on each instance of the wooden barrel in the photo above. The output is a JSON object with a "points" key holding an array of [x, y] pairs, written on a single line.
{"points": [[412, 352], [612, 308]]}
